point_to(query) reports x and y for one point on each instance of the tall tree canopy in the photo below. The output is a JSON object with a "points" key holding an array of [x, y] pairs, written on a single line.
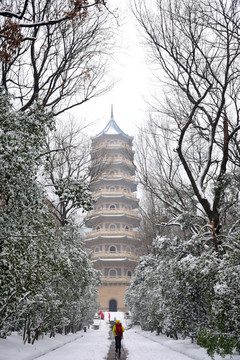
{"points": [[194, 125], [54, 51]]}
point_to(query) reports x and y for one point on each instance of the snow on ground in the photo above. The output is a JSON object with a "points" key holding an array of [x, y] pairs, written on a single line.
{"points": [[94, 344], [139, 342]]}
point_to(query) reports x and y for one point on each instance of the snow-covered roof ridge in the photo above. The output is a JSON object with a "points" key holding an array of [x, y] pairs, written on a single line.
{"points": [[112, 128]]}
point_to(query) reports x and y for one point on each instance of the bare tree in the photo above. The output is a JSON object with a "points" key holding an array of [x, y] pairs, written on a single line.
{"points": [[54, 52], [195, 45], [68, 174]]}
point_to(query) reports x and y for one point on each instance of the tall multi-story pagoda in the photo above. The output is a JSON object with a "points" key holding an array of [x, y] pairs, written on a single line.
{"points": [[113, 222]]}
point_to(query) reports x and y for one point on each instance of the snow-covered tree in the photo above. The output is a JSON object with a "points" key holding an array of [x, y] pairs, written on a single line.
{"points": [[46, 277], [184, 289]]}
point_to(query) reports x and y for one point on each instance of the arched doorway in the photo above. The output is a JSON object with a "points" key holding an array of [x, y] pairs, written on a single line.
{"points": [[113, 305]]}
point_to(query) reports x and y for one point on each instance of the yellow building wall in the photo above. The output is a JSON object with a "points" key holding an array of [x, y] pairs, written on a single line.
{"points": [[112, 292]]}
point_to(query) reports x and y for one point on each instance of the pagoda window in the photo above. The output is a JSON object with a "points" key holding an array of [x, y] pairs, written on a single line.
{"points": [[106, 270], [116, 171], [106, 248], [112, 227], [97, 250], [124, 247], [117, 187], [112, 207], [129, 273], [128, 250], [112, 249], [112, 172], [107, 226], [107, 206], [113, 273], [132, 249], [98, 228], [119, 272], [131, 227], [100, 247], [107, 187], [127, 228], [118, 226], [118, 248], [112, 189], [125, 272], [123, 226], [117, 206]]}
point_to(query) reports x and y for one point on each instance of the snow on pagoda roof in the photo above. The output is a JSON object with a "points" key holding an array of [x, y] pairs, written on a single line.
{"points": [[112, 128]]}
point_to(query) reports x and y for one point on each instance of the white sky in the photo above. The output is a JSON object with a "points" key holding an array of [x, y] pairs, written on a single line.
{"points": [[128, 94]]}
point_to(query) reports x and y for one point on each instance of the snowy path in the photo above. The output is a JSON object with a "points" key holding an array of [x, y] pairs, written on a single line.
{"points": [[94, 344], [98, 345]]}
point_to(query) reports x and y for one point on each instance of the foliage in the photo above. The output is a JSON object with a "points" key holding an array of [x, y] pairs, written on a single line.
{"points": [[181, 292], [47, 280], [188, 160]]}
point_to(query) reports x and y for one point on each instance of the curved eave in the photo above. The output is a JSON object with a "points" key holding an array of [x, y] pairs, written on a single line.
{"points": [[122, 180], [110, 237], [117, 197], [112, 129], [125, 259], [104, 148], [95, 219], [125, 164]]}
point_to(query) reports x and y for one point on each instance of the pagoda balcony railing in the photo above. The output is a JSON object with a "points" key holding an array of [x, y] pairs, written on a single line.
{"points": [[112, 212], [102, 232], [112, 161], [117, 177], [106, 192], [113, 255], [116, 279], [107, 145]]}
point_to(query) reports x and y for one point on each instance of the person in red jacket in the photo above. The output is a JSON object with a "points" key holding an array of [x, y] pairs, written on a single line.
{"points": [[118, 330]]}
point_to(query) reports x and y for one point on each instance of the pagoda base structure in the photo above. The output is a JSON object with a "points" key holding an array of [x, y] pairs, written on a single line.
{"points": [[111, 297]]}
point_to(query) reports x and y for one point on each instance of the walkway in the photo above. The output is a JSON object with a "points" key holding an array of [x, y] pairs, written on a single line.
{"points": [[111, 352]]}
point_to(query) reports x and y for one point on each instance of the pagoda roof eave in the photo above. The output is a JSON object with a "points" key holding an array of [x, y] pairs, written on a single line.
{"points": [[112, 128]]}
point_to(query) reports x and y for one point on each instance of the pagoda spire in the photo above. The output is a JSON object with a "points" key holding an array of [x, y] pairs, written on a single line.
{"points": [[112, 113]]}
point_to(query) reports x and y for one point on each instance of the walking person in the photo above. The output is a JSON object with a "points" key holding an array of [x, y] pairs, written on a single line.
{"points": [[118, 330]]}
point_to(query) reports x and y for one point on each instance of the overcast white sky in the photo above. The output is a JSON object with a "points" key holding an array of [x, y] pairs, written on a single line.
{"points": [[128, 94]]}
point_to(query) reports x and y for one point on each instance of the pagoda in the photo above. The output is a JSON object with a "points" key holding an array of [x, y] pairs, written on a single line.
{"points": [[113, 237]]}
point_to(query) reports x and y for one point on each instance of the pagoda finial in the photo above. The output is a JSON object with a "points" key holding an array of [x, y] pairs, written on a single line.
{"points": [[111, 112]]}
